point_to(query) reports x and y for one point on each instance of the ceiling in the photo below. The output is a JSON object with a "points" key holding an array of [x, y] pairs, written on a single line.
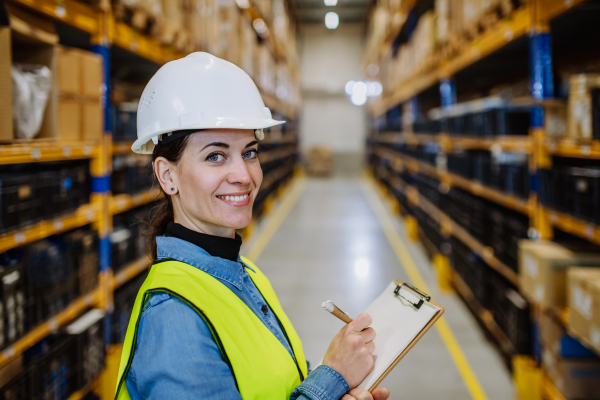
{"points": [[313, 11]]}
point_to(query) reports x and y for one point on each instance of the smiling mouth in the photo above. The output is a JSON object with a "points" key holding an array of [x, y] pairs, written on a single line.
{"points": [[234, 198], [236, 201]]}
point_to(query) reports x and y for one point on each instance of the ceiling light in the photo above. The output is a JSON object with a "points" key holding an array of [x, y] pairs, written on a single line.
{"points": [[330, 2], [360, 89], [358, 99], [332, 20]]}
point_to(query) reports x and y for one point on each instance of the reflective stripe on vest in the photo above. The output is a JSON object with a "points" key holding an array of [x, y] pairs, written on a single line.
{"points": [[262, 367]]}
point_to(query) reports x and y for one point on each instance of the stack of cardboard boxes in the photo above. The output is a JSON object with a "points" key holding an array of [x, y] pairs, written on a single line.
{"points": [[80, 87], [556, 277], [584, 105]]}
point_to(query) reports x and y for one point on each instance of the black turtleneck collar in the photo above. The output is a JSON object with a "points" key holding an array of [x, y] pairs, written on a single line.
{"points": [[216, 246]]}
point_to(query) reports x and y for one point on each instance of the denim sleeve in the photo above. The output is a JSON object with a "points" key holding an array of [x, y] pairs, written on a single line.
{"points": [[176, 357]]}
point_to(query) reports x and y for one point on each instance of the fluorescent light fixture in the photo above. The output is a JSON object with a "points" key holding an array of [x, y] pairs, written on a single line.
{"points": [[330, 3], [332, 20]]}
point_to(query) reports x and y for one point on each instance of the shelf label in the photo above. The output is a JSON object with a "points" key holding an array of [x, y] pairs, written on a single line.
{"points": [[90, 216], [60, 11], [8, 353], [121, 278], [19, 237], [568, 3], [52, 324], [36, 154], [589, 231], [509, 34], [88, 299], [585, 150], [87, 150], [58, 225], [67, 151]]}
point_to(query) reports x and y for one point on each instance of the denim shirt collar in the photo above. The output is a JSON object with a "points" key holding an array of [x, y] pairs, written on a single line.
{"points": [[184, 251]]}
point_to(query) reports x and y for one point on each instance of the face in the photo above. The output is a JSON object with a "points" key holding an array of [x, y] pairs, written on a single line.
{"points": [[215, 181]]}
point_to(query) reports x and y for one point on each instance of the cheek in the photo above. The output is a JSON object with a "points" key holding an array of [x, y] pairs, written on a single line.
{"points": [[256, 174], [200, 184]]}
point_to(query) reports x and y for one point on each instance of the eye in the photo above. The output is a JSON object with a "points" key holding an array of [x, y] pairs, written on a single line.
{"points": [[215, 157], [251, 154]]}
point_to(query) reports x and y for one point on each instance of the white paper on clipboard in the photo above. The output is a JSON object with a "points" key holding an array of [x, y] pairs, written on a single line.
{"points": [[397, 323]]}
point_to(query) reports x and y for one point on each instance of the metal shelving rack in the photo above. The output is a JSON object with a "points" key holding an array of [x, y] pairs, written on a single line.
{"points": [[532, 19], [105, 32]]}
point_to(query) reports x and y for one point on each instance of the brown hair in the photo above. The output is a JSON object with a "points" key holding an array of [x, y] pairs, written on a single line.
{"points": [[162, 214]]}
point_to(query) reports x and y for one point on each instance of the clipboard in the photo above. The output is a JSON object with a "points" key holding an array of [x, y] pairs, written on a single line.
{"points": [[414, 298]]}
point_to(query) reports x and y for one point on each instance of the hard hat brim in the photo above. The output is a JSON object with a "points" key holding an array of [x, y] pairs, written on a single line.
{"points": [[140, 145]]}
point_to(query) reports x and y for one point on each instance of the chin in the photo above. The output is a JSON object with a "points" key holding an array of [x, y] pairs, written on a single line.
{"points": [[239, 222]]}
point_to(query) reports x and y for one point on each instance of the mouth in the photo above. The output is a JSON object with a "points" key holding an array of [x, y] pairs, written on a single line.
{"points": [[236, 199]]}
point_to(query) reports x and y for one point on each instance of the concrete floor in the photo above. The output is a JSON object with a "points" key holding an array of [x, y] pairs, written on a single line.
{"points": [[331, 247]]}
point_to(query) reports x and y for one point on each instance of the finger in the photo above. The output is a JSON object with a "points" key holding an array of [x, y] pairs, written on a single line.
{"points": [[348, 397], [368, 335], [381, 394], [370, 347], [361, 394], [361, 322]]}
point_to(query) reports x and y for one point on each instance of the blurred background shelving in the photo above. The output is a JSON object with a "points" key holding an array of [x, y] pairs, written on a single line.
{"points": [[483, 118]]}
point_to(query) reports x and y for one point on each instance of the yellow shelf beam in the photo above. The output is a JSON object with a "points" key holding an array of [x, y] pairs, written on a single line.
{"points": [[40, 151], [124, 202], [71, 12], [121, 148], [41, 331], [130, 271], [82, 216], [573, 225], [513, 144], [570, 148], [129, 39], [549, 391]]}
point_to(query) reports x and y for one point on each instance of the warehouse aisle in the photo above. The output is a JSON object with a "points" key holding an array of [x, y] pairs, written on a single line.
{"points": [[331, 246]]}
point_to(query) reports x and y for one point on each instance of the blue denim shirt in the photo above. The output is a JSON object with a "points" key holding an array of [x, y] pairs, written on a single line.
{"points": [[175, 355]]}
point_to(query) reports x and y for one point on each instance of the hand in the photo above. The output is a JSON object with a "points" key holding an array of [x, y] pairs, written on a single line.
{"points": [[361, 394], [350, 350]]}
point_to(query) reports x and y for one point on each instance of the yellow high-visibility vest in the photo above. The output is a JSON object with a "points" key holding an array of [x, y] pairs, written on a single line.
{"points": [[262, 367]]}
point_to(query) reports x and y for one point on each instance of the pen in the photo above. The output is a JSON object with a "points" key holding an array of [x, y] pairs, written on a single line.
{"points": [[333, 309]]}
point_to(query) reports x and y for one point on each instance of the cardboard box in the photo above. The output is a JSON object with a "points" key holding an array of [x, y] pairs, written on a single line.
{"points": [[92, 72], [69, 119], [6, 117], [68, 70], [584, 305], [33, 41], [92, 120], [543, 266], [578, 379], [580, 124], [555, 120]]}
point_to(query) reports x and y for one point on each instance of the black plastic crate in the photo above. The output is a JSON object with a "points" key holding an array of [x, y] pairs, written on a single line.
{"points": [[83, 245], [20, 201], [583, 192], [88, 348], [15, 292], [514, 121], [124, 122]]}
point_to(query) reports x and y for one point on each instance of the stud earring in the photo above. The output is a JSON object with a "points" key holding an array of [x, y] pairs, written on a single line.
{"points": [[172, 189]]}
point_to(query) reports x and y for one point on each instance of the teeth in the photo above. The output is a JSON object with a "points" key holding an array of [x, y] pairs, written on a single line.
{"points": [[234, 198]]}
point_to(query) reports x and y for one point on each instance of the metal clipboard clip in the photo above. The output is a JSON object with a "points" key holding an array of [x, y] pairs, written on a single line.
{"points": [[423, 296]]}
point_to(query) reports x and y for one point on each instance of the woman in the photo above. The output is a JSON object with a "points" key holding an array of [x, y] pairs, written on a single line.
{"points": [[206, 323]]}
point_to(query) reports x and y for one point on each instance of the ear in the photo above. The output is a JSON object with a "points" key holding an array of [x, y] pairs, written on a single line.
{"points": [[166, 175]]}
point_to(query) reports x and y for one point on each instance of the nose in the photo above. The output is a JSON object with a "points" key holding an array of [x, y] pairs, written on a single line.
{"points": [[239, 174]]}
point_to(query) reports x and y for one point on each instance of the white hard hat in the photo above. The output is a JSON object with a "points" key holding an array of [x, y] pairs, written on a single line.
{"points": [[199, 91]]}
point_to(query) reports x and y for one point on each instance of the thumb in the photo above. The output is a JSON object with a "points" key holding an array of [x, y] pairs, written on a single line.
{"points": [[361, 322]]}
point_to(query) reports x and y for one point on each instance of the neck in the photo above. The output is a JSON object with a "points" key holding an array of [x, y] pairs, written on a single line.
{"points": [[201, 227]]}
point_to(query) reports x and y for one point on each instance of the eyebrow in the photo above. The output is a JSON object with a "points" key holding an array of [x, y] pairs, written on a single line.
{"points": [[217, 144], [252, 143]]}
